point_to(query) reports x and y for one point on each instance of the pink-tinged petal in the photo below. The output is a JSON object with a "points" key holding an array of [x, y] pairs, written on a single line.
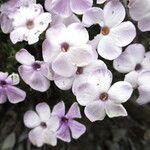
{"points": [[48, 5], [63, 83], [81, 55], [92, 16], [63, 66], [136, 8], [114, 110], [100, 1], [114, 13], [15, 95], [43, 111], [80, 6], [3, 75], [120, 92], [3, 96], [49, 51], [146, 61], [144, 96], [74, 111], [59, 109], [36, 136], [108, 49], [127, 61], [144, 24], [61, 7], [77, 129], [95, 111], [73, 32], [31, 119], [24, 57], [123, 34], [132, 78], [64, 133]]}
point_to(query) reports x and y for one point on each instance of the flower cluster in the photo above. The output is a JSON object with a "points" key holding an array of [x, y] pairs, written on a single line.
{"points": [[72, 60]]}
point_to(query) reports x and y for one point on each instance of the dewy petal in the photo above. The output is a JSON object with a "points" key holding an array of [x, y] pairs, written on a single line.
{"points": [[144, 24], [31, 119], [15, 95], [3, 96], [114, 110], [80, 6], [63, 83], [63, 66], [123, 34], [36, 136], [43, 111], [108, 49], [127, 61], [61, 7], [77, 129], [59, 109], [74, 111], [64, 133], [95, 111], [114, 13], [24, 57], [120, 92], [92, 16]]}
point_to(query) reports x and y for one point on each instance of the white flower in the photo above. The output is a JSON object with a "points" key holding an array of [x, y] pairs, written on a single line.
{"points": [[43, 125], [99, 97], [115, 33], [29, 22]]}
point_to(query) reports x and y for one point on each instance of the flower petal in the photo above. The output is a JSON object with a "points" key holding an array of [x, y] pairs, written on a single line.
{"points": [[3, 75], [146, 61], [100, 1], [3, 96]]}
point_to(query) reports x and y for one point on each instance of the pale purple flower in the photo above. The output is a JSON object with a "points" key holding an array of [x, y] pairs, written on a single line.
{"points": [[140, 11], [115, 33], [8, 89], [30, 25], [66, 8], [99, 97], [34, 73], [133, 61], [68, 51], [43, 125], [68, 125]]}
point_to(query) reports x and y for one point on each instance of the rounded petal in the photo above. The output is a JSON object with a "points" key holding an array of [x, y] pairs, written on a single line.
{"points": [[77, 129], [95, 111], [108, 49], [43, 111], [3, 75], [80, 6], [63, 66], [13, 78], [24, 57], [15, 95], [3, 96], [31, 119], [123, 34], [48, 5], [120, 92], [114, 13], [127, 61], [115, 110]]}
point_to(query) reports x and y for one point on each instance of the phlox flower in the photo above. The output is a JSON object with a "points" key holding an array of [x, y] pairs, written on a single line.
{"points": [[140, 11], [34, 73], [66, 8], [8, 89], [99, 97], [68, 51], [28, 23], [43, 126], [68, 125], [115, 33]]}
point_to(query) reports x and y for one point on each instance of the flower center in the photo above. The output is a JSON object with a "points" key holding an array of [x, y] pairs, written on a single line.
{"points": [[65, 46], [36, 66], [30, 24], [79, 70], [64, 119], [3, 83], [138, 67], [43, 125], [104, 97], [105, 30]]}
